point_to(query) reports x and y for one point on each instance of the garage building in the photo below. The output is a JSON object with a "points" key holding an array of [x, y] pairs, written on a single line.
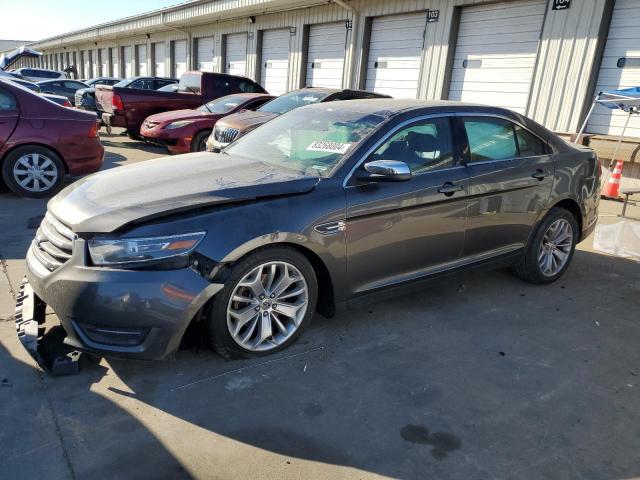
{"points": [[542, 58]]}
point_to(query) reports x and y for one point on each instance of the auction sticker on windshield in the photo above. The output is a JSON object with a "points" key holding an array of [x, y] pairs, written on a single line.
{"points": [[329, 147]]}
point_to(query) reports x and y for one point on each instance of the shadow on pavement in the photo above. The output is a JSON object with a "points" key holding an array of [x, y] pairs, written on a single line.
{"points": [[478, 375]]}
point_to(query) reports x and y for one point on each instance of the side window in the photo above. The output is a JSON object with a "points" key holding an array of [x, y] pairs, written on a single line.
{"points": [[424, 146], [248, 87], [7, 101], [143, 84], [528, 144], [490, 138]]}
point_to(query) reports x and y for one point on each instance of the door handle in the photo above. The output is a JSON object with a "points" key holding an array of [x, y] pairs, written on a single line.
{"points": [[539, 174], [449, 189]]}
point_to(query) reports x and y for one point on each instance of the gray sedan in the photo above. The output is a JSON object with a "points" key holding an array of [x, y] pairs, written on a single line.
{"points": [[324, 208]]}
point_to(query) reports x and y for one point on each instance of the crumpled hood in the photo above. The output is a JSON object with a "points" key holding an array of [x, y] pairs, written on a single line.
{"points": [[109, 200], [173, 116]]}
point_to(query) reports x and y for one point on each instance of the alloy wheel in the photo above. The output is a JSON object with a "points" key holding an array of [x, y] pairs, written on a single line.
{"points": [[555, 247], [267, 306], [35, 173]]}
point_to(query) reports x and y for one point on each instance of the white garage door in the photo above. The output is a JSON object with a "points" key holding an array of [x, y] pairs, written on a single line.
{"points": [[620, 69], [179, 57], [496, 53], [395, 54], [142, 60], [236, 54], [325, 58], [86, 72], [274, 70], [115, 62], [104, 62], [159, 56], [95, 63], [205, 54], [128, 62]]}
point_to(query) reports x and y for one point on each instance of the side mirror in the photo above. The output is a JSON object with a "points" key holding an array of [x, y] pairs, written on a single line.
{"points": [[385, 171]]}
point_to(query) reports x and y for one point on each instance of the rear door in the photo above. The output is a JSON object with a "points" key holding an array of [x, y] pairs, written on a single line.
{"points": [[400, 231], [274, 71], [9, 115], [510, 174]]}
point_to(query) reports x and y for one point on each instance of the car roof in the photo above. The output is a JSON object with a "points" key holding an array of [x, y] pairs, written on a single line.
{"points": [[390, 106]]}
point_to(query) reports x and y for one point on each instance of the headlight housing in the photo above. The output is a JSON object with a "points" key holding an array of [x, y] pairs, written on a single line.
{"points": [[134, 251], [179, 124]]}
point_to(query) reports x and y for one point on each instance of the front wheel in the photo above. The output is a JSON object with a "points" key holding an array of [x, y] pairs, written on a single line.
{"points": [[266, 303], [551, 248], [199, 142], [33, 171]]}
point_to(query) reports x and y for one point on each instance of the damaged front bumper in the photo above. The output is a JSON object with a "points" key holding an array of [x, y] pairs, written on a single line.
{"points": [[51, 355]]}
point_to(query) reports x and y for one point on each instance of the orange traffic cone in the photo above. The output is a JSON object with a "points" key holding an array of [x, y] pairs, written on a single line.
{"points": [[611, 188]]}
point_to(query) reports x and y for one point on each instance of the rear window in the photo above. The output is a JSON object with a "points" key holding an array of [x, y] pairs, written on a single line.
{"points": [[190, 83], [222, 105], [289, 101]]}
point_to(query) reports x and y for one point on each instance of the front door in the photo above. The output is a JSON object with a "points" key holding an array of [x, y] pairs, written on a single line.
{"points": [[510, 177], [8, 115], [399, 231]]}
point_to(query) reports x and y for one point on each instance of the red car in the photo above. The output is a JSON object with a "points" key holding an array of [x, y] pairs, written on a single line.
{"points": [[41, 142], [184, 131]]}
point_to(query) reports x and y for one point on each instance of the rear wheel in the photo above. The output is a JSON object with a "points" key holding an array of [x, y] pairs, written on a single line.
{"points": [[551, 248], [267, 301], [199, 142], [33, 171]]}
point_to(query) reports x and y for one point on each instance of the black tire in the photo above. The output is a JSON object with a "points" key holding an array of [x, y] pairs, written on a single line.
{"points": [[219, 336], [199, 142], [528, 268], [13, 158], [134, 136]]}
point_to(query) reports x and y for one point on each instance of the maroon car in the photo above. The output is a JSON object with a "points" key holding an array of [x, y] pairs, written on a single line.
{"points": [[128, 107], [41, 142], [184, 131]]}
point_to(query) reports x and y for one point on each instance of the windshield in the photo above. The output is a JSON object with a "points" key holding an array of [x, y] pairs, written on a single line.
{"points": [[222, 105], [292, 100], [308, 141]]}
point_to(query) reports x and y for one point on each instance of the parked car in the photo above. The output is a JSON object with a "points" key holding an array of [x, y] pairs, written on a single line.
{"points": [[128, 108], [85, 98], [41, 142], [59, 99], [184, 131], [11, 75], [238, 124], [66, 88], [26, 84], [39, 74], [324, 207]]}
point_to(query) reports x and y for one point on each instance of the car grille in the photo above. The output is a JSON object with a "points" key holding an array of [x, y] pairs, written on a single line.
{"points": [[149, 124], [78, 100], [53, 244], [225, 134]]}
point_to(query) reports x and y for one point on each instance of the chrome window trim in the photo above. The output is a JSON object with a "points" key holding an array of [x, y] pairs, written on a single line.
{"points": [[393, 131]]}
